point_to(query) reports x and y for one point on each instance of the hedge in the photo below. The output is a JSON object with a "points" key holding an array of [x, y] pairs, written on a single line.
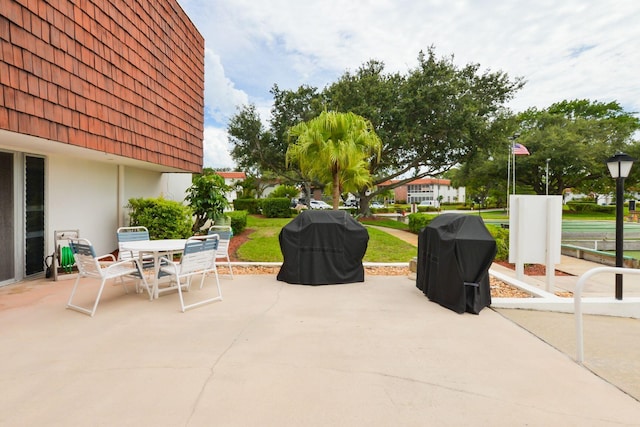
{"points": [[582, 207], [165, 219], [418, 221], [502, 241], [276, 207], [250, 205], [238, 221]]}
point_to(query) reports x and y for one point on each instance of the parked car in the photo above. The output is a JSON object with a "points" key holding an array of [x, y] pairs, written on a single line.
{"points": [[319, 204], [376, 205]]}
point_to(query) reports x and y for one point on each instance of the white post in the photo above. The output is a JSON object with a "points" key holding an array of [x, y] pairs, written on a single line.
{"points": [[550, 266], [520, 240], [120, 197]]}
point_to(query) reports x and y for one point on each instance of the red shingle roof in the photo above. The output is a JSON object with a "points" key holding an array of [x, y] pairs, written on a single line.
{"points": [[232, 175]]}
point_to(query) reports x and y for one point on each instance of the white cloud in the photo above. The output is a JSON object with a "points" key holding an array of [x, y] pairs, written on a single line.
{"points": [[221, 98], [216, 148], [564, 50]]}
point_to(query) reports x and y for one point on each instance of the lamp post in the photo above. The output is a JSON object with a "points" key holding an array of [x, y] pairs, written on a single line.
{"points": [[619, 167], [546, 179]]}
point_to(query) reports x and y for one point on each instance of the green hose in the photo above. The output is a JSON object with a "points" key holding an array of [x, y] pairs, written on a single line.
{"points": [[66, 259]]}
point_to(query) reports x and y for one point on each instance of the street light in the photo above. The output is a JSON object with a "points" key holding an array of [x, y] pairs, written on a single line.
{"points": [[619, 167], [546, 179]]}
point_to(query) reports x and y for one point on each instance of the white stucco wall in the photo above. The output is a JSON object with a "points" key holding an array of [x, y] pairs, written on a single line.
{"points": [[83, 195], [144, 183]]}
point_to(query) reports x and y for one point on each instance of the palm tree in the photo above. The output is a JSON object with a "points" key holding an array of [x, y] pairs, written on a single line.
{"points": [[334, 148]]}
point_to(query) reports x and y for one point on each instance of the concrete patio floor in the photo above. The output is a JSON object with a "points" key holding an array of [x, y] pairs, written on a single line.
{"points": [[273, 354]]}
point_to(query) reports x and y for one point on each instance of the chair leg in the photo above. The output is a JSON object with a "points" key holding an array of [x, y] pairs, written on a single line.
{"points": [[187, 286], [73, 292], [95, 305], [215, 272], [229, 264], [146, 287], [206, 301], [83, 309], [181, 298]]}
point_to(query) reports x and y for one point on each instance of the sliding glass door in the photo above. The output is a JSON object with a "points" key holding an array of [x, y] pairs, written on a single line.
{"points": [[7, 219], [34, 215]]}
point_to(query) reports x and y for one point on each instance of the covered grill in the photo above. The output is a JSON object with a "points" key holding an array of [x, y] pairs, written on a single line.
{"points": [[322, 247], [455, 252]]}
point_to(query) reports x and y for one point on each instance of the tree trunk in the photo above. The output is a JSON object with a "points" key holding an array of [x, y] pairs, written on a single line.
{"points": [[364, 203], [336, 190]]}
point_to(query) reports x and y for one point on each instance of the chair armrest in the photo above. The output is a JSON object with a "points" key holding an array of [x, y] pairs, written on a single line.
{"points": [[133, 263], [167, 264]]}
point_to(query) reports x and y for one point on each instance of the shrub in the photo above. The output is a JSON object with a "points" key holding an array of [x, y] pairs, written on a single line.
{"points": [[165, 219], [418, 221], [427, 209], [276, 207], [383, 210], [288, 191], [582, 207], [207, 199], [502, 241], [352, 211], [238, 221], [250, 205]]}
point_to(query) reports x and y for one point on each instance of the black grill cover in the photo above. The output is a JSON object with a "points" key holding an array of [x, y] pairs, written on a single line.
{"points": [[455, 252], [323, 247]]}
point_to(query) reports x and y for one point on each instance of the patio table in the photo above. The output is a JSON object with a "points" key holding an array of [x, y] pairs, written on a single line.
{"points": [[157, 248]]}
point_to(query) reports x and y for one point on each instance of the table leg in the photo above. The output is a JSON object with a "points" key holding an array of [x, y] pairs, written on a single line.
{"points": [[156, 274]]}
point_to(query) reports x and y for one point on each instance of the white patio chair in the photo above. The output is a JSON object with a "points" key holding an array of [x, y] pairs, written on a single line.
{"points": [[130, 234], [198, 258], [225, 233], [92, 266]]}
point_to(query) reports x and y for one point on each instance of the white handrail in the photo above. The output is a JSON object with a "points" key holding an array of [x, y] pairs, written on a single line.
{"points": [[577, 300]]}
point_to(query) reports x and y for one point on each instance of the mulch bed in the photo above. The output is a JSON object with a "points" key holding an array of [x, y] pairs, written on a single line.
{"points": [[533, 269]]}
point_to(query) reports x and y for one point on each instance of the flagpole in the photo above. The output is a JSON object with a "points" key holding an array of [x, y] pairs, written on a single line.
{"points": [[508, 173], [513, 187], [511, 164]]}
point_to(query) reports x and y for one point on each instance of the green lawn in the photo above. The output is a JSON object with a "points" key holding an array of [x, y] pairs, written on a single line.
{"points": [[389, 223], [263, 245]]}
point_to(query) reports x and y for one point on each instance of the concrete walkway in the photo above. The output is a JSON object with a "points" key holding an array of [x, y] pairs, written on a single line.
{"points": [[377, 353], [611, 338]]}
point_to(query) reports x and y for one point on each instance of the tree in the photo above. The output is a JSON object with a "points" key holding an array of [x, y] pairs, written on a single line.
{"points": [[253, 148], [577, 137], [254, 186], [573, 137], [262, 151], [334, 148], [430, 120], [207, 198], [288, 191]]}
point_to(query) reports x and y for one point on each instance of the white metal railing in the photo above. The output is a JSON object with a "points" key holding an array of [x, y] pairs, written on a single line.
{"points": [[577, 300]]}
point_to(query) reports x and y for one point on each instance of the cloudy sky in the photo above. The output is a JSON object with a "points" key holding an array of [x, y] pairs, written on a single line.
{"points": [[569, 49]]}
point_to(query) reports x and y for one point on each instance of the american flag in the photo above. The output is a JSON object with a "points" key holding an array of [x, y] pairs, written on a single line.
{"points": [[520, 149]]}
